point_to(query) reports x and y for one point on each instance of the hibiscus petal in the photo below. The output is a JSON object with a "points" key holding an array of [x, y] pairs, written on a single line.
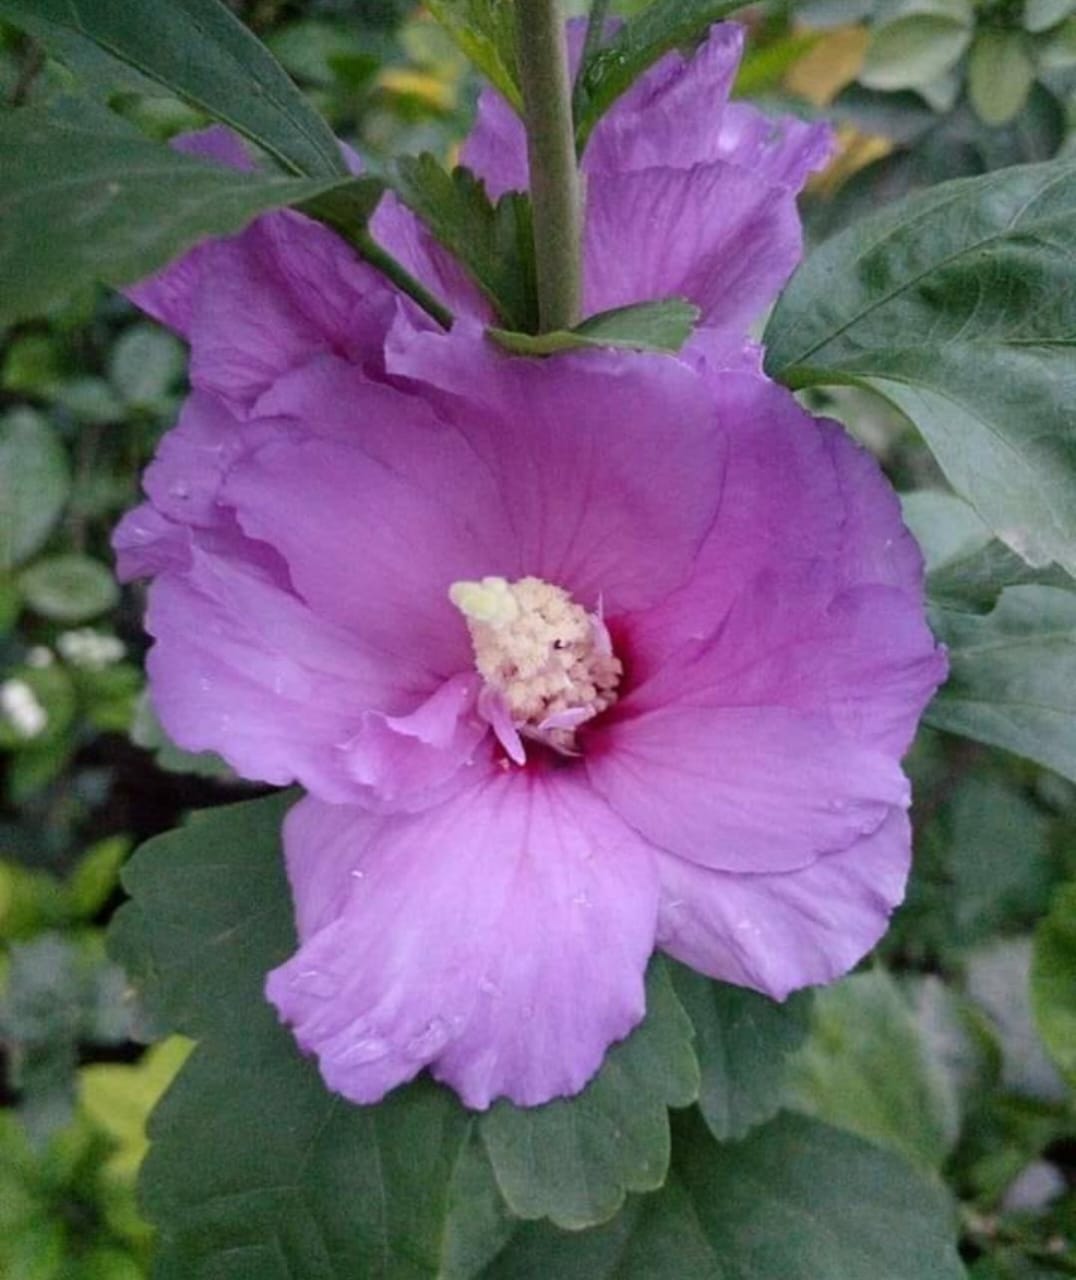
{"points": [[522, 915], [742, 788], [412, 762], [777, 933], [608, 463], [777, 149], [243, 668], [714, 234]]}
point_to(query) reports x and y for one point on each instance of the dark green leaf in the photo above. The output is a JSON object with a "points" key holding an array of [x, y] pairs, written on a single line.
{"points": [[654, 1237], [662, 26], [255, 1167], [959, 307], [1053, 981], [574, 1160], [967, 569], [1012, 675], [664, 325], [797, 1200], [494, 242], [486, 32], [33, 484], [87, 198], [200, 51], [742, 1041]]}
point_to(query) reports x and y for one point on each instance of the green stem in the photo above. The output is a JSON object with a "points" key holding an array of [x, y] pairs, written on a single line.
{"points": [[554, 177], [402, 279]]}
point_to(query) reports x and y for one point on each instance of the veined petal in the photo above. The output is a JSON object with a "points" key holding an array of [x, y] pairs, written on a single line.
{"points": [[779, 932], [522, 918]]}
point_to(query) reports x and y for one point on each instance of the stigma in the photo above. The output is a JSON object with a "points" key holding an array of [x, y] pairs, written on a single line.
{"points": [[549, 662]]}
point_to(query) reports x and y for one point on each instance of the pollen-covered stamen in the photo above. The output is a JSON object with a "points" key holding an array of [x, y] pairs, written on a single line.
{"points": [[551, 661]]}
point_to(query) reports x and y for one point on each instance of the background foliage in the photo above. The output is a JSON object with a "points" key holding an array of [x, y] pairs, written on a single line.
{"points": [[936, 1082]]}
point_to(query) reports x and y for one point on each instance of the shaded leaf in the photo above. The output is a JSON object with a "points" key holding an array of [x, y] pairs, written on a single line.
{"points": [[87, 198], [743, 1041], [959, 306], [1053, 981], [200, 51], [573, 1160], [1000, 75], [918, 47]]}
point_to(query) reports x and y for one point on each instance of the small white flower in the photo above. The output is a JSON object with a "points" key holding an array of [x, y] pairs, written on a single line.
{"points": [[20, 707], [40, 656], [90, 649]]}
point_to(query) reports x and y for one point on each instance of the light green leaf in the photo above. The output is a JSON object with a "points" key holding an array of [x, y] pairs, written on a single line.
{"points": [[69, 588], [967, 568], [1041, 15], [495, 243], [96, 876], [958, 305], [1057, 51], [918, 46], [486, 32], [199, 50], [1012, 675], [34, 483], [1000, 75], [664, 325], [1053, 981], [866, 1068], [573, 1160], [645, 37], [144, 365], [742, 1041], [998, 979], [87, 198]]}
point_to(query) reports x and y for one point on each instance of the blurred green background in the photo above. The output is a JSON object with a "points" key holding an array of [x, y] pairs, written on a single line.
{"points": [[930, 1049]]}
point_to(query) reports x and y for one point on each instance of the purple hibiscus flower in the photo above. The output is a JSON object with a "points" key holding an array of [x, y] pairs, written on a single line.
{"points": [[575, 659]]}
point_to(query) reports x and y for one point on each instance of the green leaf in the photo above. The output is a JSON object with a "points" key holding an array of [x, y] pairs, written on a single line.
{"points": [[145, 364], [998, 979], [645, 37], [1012, 675], [1000, 75], [664, 325], [866, 1068], [200, 51], [69, 588], [574, 1160], [1041, 15], [798, 1200], [958, 306], [1053, 981], [967, 569], [255, 1168], [495, 243], [34, 484], [918, 46], [87, 198], [96, 876], [743, 1041], [486, 32]]}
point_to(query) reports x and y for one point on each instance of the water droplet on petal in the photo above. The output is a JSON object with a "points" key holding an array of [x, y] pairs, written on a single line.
{"points": [[428, 1042], [368, 1049]]}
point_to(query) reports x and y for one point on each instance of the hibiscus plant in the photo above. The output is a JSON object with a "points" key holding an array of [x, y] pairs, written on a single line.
{"points": [[574, 657]]}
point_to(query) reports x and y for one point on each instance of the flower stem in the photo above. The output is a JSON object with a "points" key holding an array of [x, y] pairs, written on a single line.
{"points": [[554, 177]]}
